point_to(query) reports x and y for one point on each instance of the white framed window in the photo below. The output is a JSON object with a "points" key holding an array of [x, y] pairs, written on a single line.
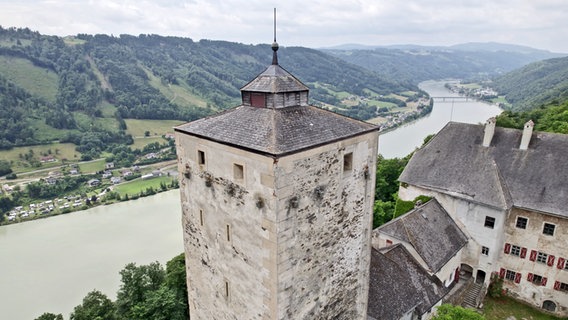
{"points": [[541, 257], [510, 275], [485, 251], [522, 222], [515, 250], [548, 229]]}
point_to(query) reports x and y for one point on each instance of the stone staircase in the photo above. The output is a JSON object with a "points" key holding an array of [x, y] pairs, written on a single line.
{"points": [[470, 298]]}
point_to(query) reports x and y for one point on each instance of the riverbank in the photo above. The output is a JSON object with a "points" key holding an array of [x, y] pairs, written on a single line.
{"points": [[406, 138]]}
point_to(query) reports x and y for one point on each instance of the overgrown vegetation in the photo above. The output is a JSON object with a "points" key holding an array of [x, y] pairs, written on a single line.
{"points": [[147, 292], [549, 118]]}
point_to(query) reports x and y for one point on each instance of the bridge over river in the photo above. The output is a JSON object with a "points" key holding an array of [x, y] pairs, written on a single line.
{"points": [[454, 99]]}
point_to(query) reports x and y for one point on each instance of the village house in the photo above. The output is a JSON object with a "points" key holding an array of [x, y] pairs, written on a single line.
{"points": [[507, 190]]}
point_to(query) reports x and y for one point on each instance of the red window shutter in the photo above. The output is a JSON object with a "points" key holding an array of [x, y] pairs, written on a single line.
{"points": [[529, 277], [533, 255], [518, 276], [556, 285], [257, 100], [507, 248], [560, 264], [523, 252], [544, 281], [550, 261], [502, 273]]}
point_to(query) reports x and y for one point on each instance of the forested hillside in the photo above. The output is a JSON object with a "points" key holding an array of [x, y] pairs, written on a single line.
{"points": [[81, 89], [537, 84], [415, 63]]}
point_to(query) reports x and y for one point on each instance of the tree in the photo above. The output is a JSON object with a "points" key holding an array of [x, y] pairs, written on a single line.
{"points": [[451, 312], [176, 279], [5, 167], [49, 316], [95, 306], [137, 283]]}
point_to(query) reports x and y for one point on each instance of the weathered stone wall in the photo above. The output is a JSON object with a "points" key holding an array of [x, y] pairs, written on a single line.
{"points": [[532, 238], [325, 219], [217, 261], [299, 244]]}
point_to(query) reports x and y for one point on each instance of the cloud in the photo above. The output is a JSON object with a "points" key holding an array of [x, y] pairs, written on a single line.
{"points": [[314, 23]]}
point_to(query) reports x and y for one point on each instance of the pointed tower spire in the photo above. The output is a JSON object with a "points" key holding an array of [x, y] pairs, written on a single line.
{"points": [[274, 44]]}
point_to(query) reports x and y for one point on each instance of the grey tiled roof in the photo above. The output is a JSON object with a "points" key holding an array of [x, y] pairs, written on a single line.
{"points": [[399, 284], [501, 175], [276, 132], [431, 231], [275, 79]]}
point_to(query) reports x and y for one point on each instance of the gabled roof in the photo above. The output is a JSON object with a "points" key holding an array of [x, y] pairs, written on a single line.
{"points": [[431, 231], [398, 284], [275, 79], [501, 175], [276, 132]]}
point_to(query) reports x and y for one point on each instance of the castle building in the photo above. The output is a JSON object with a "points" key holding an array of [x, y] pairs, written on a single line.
{"points": [[277, 200], [507, 190]]}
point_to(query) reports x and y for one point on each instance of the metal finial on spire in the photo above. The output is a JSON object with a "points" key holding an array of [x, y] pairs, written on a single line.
{"points": [[274, 44]]}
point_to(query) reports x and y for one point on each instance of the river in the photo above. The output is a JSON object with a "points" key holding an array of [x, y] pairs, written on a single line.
{"points": [[49, 265], [403, 140]]}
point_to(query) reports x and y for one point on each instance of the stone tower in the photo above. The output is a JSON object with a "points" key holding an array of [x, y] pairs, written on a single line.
{"points": [[277, 200]]}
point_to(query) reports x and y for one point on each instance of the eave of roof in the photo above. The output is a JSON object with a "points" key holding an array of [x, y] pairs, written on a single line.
{"points": [[276, 132]]}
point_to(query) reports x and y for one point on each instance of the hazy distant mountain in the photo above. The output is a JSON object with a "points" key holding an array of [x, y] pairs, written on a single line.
{"points": [[415, 63]]}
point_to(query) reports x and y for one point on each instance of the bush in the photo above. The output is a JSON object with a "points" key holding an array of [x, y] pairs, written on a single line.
{"points": [[11, 176]]}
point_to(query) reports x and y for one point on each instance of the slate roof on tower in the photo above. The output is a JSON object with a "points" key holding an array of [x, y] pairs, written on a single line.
{"points": [[283, 124], [275, 79]]}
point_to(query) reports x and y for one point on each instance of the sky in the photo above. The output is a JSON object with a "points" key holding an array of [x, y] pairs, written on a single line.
{"points": [[541, 24]]}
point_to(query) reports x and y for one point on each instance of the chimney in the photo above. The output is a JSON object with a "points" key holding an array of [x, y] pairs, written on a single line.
{"points": [[527, 133], [488, 131]]}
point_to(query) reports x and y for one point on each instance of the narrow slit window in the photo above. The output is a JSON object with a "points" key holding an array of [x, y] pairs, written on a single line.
{"points": [[238, 172], [201, 217], [228, 230], [348, 162], [226, 289], [200, 157]]}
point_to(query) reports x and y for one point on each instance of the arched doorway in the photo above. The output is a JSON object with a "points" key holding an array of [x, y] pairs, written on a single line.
{"points": [[480, 277], [549, 305]]}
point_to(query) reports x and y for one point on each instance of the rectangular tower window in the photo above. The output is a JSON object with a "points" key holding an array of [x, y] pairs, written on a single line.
{"points": [[228, 231], [238, 172], [548, 229], [200, 157], [489, 222], [522, 222], [348, 162], [485, 251]]}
